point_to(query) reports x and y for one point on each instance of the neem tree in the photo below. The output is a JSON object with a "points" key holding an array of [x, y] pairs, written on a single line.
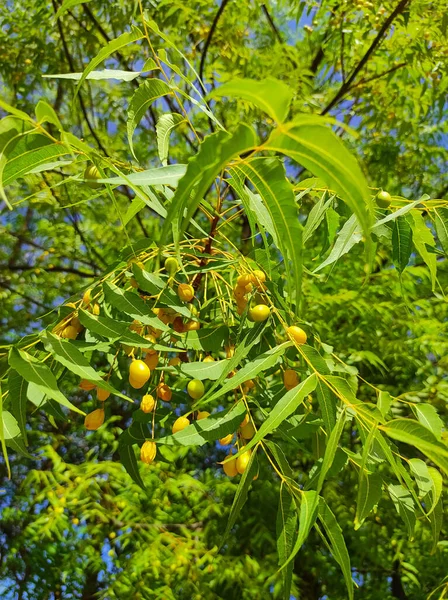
{"points": [[217, 341]]}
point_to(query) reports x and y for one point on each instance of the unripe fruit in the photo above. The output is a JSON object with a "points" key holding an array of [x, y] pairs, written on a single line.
{"points": [[151, 360], [148, 452], [290, 379], [383, 199], [171, 265], [94, 420], [185, 292], [86, 385], [147, 403], [87, 297], [239, 292], [195, 389], [230, 468], [180, 424], [202, 414], [102, 394], [209, 359], [164, 392], [70, 333], [248, 431], [90, 174], [296, 334], [259, 313], [242, 461], [225, 441], [192, 326], [139, 373]]}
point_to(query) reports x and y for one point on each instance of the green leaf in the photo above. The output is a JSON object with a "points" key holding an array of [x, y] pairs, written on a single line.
{"points": [[345, 393], [285, 407], [437, 487], [423, 237], [18, 388], [310, 141], [111, 328], [271, 95], [113, 46], [427, 415], [330, 450], [441, 223], [214, 427], [100, 75], [45, 113], [204, 370], [327, 403], [349, 236], [143, 97], [38, 373], [129, 462], [67, 5], [164, 127], [404, 504], [401, 243], [436, 519], [169, 175], [422, 476], [307, 517], [209, 339], [316, 216], [68, 355], [286, 527], [384, 402], [369, 484], [2, 435], [337, 543], [168, 297]]}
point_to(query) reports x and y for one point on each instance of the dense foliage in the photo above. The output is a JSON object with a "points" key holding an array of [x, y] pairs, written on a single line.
{"points": [[222, 140]]}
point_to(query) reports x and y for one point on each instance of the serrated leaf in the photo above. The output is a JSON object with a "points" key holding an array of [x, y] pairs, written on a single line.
{"points": [[111, 328], [441, 224], [330, 450], [316, 216], [384, 402], [436, 519], [421, 474], [437, 487], [349, 236], [18, 388], [427, 415], [38, 373], [169, 175], [129, 462], [401, 243], [404, 504], [423, 237], [105, 74], [286, 527], [212, 428], [204, 370], [45, 113], [164, 127], [307, 517]]}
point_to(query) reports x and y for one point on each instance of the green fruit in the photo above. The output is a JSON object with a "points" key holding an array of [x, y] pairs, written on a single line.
{"points": [[90, 174], [383, 199], [195, 389], [171, 265]]}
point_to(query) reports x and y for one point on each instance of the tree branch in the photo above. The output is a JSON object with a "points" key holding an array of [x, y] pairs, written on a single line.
{"points": [[53, 269], [273, 26], [208, 40]]}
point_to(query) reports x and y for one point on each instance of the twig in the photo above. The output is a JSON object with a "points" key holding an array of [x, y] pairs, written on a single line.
{"points": [[53, 269], [209, 39]]}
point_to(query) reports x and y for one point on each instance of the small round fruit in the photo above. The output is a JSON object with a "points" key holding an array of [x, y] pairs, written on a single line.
{"points": [[87, 297], [383, 199], [139, 371], [249, 384], [135, 383], [209, 359], [147, 403], [94, 420], [195, 389], [75, 521], [258, 277], [296, 334], [76, 323], [151, 360], [180, 424], [259, 313], [148, 452], [230, 468], [70, 333], [185, 292], [248, 431], [226, 441], [192, 326], [112, 535], [290, 378], [102, 394], [242, 461], [245, 421], [164, 392], [178, 325], [171, 265], [91, 174], [202, 414], [87, 385]]}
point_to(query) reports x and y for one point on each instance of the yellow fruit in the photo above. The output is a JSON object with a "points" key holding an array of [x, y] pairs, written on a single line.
{"points": [[164, 392], [136, 326], [171, 265], [102, 394], [69, 332], [296, 334], [147, 404], [148, 452], [258, 277], [174, 362], [180, 424], [290, 379], [225, 441], [192, 326], [152, 360], [242, 461], [86, 385], [87, 297], [245, 421], [208, 359], [90, 174], [139, 372], [243, 280], [259, 313], [239, 292], [112, 535], [230, 468], [135, 383], [248, 287], [185, 292], [76, 323], [195, 389], [75, 521], [248, 431], [96, 309], [202, 414], [70, 305], [95, 419], [249, 384]]}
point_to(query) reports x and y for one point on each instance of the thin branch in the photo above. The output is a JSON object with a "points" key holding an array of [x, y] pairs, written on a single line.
{"points": [[383, 74], [209, 39], [346, 86], [52, 269], [6, 286], [273, 26]]}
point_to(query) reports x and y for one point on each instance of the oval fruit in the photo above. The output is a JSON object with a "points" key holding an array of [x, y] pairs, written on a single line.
{"points": [[195, 389], [202, 414], [147, 403], [259, 313], [102, 394], [171, 265], [243, 280], [242, 461], [185, 292], [248, 431], [148, 452], [180, 424], [139, 371], [90, 174], [164, 392], [70, 333], [95, 419], [230, 468], [225, 441], [296, 334], [383, 199], [87, 385]]}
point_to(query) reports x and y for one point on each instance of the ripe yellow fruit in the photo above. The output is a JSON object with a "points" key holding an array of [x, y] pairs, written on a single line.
{"points": [[290, 379], [96, 309], [248, 431], [94, 420], [90, 174], [102, 394], [147, 403], [171, 265], [76, 323], [383, 199], [243, 280], [75, 521], [239, 292], [112, 535], [259, 313], [87, 297], [296, 334], [180, 424], [202, 414], [135, 383], [164, 392], [249, 384], [192, 326], [225, 441], [70, 333], [148, 452], [174, 362], [258, 277], [242, 461], [152, 340], [139, 373], [195, 389], [151, 360], [86, 385], [208, 359], [185, 292], [230, 468], [245, 421]]}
